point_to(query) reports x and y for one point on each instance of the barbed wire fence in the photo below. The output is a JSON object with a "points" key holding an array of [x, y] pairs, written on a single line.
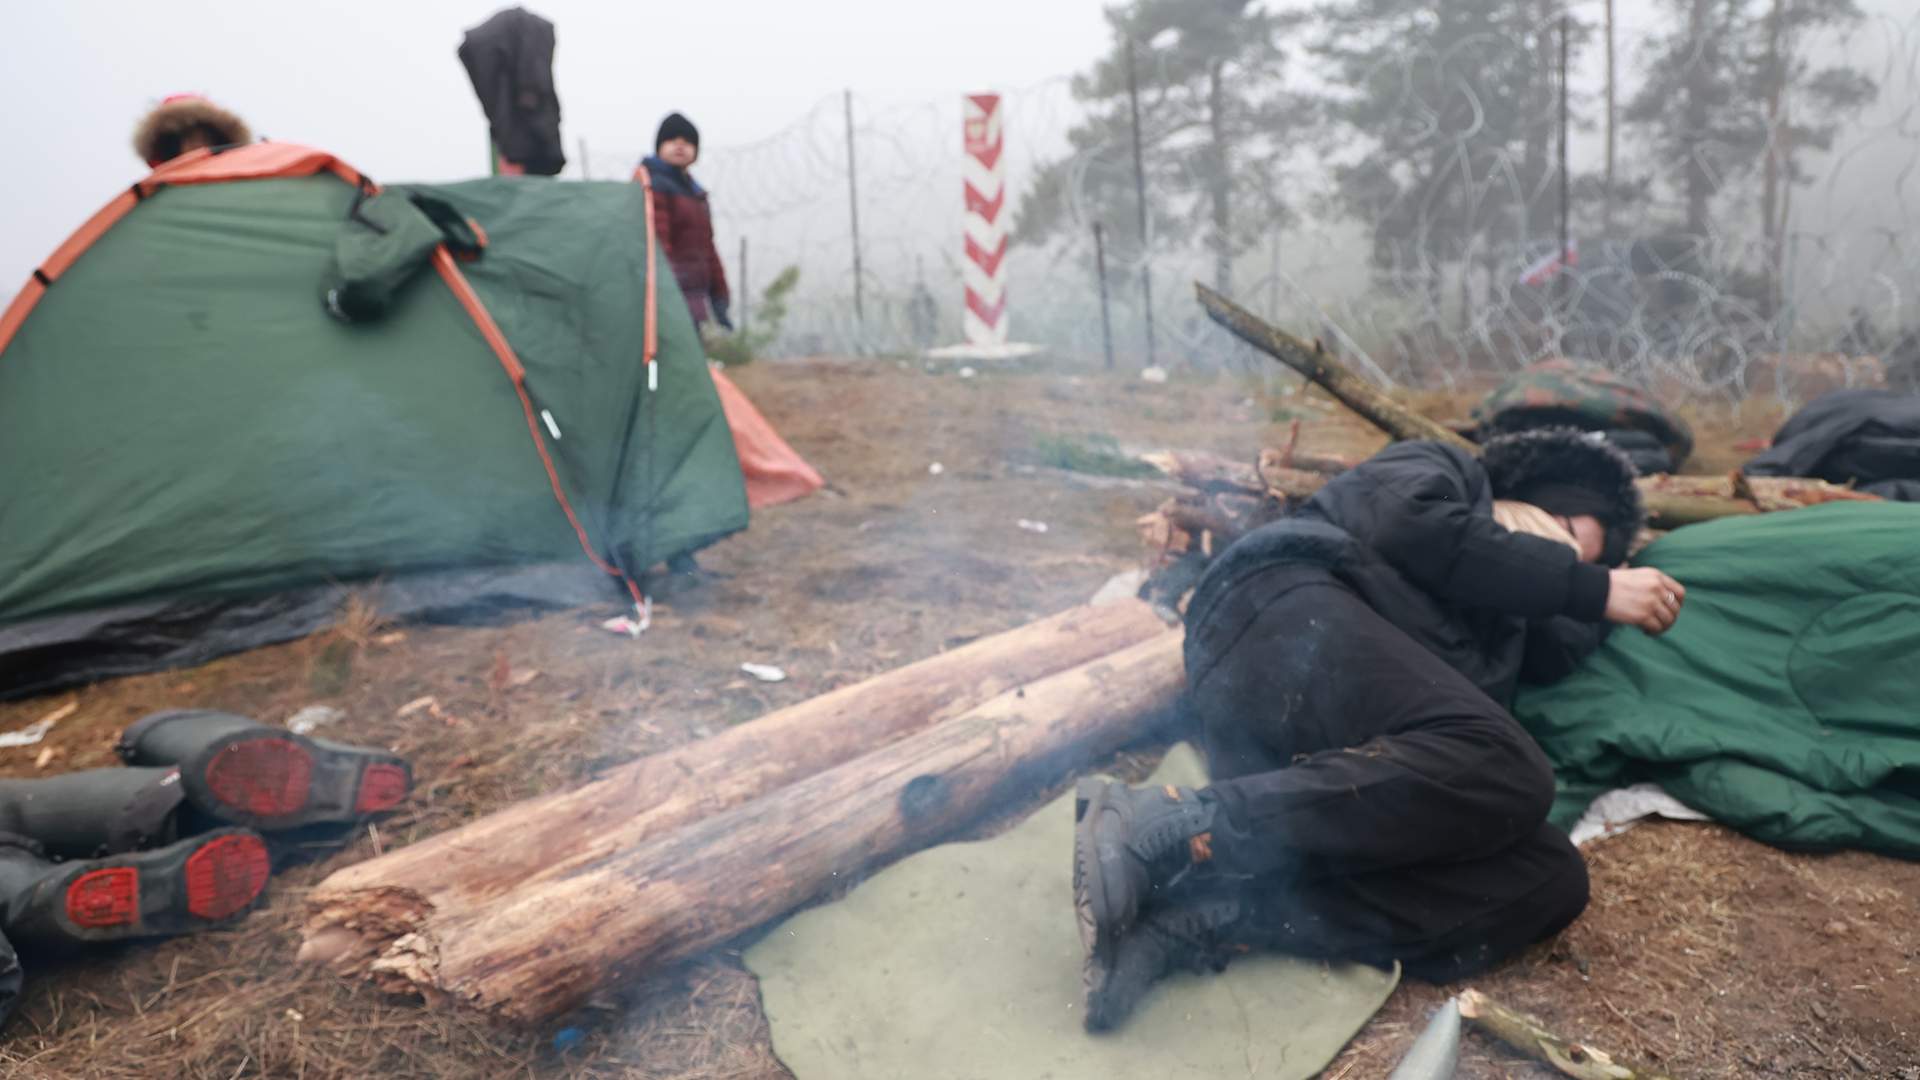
{"points": [[1698, 311]]}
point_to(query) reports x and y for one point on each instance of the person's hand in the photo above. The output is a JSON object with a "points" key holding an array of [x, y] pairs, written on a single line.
{"points": [[1643, 597], [719, 308]]}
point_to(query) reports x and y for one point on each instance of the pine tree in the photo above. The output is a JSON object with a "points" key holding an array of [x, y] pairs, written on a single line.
{"points": [[1726, 92], [1214, 120], [1454, 107], [1804, 109]]}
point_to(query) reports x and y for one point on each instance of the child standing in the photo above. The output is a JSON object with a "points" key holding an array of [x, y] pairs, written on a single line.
{"points": [[683, 221]]}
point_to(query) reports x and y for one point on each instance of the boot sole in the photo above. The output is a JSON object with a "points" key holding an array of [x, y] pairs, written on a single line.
{"points": [[278, 780], [174, 890], [1100, 924]]}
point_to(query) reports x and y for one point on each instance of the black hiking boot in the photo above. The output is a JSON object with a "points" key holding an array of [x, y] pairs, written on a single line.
{"points": [[264, 777], [191, 885], [1190, 933], [94, 812], [1127, 842]]}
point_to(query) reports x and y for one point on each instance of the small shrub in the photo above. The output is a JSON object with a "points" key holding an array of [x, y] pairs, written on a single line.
{"points": [[743, 346], [1097, 455]]}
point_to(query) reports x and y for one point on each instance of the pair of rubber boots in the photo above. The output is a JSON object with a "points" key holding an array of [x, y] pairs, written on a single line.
{"points": [[1147, 894], [216, 778]]}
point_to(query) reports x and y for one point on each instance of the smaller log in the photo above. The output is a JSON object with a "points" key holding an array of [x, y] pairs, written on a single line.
{"points": [[1673, 501], [1206, 472], [1529, 1037], [1211, 472], [1321, 369], [1227, 517]]}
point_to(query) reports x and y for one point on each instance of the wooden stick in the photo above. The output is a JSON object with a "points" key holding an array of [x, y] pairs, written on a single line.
{"points": [[1526, 1035], [1321, 369]]}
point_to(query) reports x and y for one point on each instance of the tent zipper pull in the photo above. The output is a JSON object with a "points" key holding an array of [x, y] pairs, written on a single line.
{"points": [[653, 375], [552, 428]]}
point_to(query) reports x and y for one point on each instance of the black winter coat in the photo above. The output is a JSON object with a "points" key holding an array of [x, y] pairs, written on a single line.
{"points": [[509, 58], [1411, 531]]}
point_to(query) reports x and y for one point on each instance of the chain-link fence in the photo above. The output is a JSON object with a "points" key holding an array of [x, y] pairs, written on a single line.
{"points": [[1399, 203]]}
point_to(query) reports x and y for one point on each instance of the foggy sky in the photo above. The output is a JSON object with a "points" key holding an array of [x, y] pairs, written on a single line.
{"points": [[380, 86]]}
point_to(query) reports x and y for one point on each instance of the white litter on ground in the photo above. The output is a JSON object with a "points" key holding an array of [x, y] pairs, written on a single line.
{"points": [[311, 717], [1622, 808]]}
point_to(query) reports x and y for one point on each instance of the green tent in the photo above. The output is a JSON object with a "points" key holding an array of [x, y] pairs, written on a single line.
{"points": [[200, 442]]}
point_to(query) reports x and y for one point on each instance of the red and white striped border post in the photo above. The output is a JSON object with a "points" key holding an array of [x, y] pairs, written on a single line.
{"points": [[984, 269]]}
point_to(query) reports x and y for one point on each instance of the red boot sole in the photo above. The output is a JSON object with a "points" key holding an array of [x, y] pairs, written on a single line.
{"points": [[101, 899], [381, 788], [226, 875], [267, 778]]}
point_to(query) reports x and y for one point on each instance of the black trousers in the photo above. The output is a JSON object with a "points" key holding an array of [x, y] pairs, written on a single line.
{"points": [[1380, 806]]}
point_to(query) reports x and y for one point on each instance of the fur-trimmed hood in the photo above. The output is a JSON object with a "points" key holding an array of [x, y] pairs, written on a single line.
{"points": [[1524, 460], [177, 115]]}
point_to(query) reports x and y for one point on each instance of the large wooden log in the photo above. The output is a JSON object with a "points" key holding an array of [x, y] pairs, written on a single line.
{"points": [[1313, 361], [359, 910], [547, 946]]}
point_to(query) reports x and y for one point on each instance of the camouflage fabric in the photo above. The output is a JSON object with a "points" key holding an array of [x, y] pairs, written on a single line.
{"points": [[1559, 392]]}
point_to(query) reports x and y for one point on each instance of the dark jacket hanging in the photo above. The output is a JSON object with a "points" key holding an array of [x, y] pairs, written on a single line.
{"points": [[510, 60]]}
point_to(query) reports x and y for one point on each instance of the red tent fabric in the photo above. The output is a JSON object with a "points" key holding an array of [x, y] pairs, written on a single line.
{"points": [[775, 473]]}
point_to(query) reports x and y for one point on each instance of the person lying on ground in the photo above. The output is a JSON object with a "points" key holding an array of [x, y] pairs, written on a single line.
{"points": [[184, 122], [683, 221], [1350, 670]]}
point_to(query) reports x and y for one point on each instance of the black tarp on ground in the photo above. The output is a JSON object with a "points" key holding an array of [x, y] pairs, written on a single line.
{"points": [[43, 655], [1865, 437]]}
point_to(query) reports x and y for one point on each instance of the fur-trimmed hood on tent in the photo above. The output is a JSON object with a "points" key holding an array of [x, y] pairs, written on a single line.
{"points": [[193, 434]]}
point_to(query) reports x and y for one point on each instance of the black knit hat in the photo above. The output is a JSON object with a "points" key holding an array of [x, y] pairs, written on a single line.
{"points": [[676, 126], [1569, 472]]}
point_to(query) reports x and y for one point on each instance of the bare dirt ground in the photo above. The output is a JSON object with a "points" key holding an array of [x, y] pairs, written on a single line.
{"points": [[1704, 953]]}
